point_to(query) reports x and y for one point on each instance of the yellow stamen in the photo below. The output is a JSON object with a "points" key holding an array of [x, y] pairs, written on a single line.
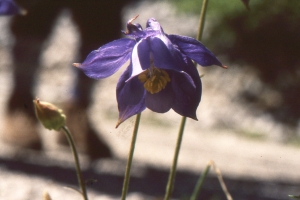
{"points": [[154, 79]]}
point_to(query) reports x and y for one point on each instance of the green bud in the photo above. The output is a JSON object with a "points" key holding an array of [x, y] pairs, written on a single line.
{"points": [[49, 115]]}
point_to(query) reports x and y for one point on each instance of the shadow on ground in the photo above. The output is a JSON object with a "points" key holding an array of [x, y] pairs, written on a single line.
{"points": [[151, 182]]}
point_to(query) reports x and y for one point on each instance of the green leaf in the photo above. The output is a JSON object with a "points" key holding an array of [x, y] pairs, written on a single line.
{"points": [[295, 196]]}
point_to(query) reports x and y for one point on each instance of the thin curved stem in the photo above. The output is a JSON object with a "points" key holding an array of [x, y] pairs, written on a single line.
{"points": [[77, 165], [200, 182], [130, 157]]}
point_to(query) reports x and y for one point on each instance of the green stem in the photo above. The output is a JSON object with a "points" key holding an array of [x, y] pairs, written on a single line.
{"points": [[200, 183], [77, 165], [171, 179], [199, 38], [202, 20], [130, 157]]}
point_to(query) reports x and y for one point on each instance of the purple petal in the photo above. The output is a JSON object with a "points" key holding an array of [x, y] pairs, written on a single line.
{"points": [[165, 55], [160, 102], [107, 59], [187, 91], [9, 7], [195, 50], [140, 57], [130, 96], [134, 31], [153, 24]]}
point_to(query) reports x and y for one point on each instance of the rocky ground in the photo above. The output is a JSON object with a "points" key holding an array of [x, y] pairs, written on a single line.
{"points": [[243, 142]]}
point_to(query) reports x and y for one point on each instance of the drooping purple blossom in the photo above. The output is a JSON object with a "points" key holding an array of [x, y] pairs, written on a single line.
{"points": [[161, 74]]}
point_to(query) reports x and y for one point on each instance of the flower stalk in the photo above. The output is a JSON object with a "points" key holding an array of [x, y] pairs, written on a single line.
{"points": [[77, 165], [171, 179], [202, 20], [130, 157]]}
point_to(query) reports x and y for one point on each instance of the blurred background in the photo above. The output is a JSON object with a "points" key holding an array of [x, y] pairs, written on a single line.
{"points": [[248, 117]]}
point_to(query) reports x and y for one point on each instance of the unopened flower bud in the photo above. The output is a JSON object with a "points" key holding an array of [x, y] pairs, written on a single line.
{"points": [[46, 196], [49, 115]]}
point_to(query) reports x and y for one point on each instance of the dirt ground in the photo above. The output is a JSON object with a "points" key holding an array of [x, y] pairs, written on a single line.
{"points": [[246, 147]]}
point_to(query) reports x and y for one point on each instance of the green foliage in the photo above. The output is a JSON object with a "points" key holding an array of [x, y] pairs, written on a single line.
{"points": [[294, 141], [252, 135], [219, 7], [294, 196], [266, 38]]}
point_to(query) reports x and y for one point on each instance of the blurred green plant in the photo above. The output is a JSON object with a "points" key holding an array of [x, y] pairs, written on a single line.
{"points": [[266, 39], [294, 196], [215, 7], [252, 135]]}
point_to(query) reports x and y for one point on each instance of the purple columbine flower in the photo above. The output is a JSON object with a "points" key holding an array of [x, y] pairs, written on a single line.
{"points": [[9, 7], [161, 74]]}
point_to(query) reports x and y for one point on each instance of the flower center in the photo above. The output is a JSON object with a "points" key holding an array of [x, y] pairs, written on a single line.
{"points": [[154, 79]]}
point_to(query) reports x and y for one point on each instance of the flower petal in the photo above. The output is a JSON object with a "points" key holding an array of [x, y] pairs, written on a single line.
{"points": [[9, 7], [187, 91], [130, 96], [154, 25], [140, 57], [107, 59], [135, 31], [195, 50], [160, 102], [164, 54]]}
